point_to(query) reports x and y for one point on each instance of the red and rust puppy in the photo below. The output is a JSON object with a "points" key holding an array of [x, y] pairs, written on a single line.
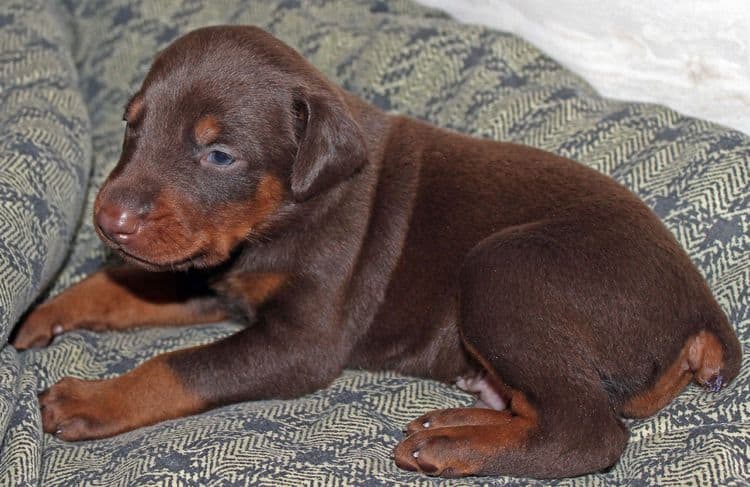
{"points": [[251, 187]]}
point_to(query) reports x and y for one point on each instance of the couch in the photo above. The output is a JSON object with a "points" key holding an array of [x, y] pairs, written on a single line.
{"points": [[66, 71]]}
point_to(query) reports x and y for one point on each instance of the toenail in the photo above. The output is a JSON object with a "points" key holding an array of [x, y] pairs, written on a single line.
{"points": [[57, 329], [415, 454], [426, 424]]}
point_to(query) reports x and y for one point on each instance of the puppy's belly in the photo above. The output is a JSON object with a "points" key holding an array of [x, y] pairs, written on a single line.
{"points": [[416, 341]]}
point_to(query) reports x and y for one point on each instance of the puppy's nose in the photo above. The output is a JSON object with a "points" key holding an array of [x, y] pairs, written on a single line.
{"points": [[118, 223]]}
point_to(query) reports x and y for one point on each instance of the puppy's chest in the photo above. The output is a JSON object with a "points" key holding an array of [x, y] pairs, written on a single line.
{"points": [[243, 293]]}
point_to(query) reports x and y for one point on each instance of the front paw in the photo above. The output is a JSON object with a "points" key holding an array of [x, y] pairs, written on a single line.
{"points": [[444, 452], [40, 326], [75, 409]]}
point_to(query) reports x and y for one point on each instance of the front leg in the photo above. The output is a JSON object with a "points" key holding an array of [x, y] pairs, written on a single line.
{"points": [[272, 359], [119, 298], [75, 409]]}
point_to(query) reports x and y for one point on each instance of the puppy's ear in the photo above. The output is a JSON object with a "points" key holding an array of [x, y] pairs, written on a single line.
{"points": [[331, 145]]}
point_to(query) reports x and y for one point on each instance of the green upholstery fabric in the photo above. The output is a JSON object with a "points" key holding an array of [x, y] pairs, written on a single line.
{"points": [[65, 73]]}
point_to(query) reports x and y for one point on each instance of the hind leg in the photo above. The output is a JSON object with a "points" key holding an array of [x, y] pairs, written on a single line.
{"points": [[701, 359], [559, 421], [569, 431]]}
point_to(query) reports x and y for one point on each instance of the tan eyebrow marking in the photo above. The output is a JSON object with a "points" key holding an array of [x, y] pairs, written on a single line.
{"points": [[133, 109], [206, 129]]}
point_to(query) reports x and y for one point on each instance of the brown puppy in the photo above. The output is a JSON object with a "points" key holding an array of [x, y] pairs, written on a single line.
{"points": [[251, 187]]}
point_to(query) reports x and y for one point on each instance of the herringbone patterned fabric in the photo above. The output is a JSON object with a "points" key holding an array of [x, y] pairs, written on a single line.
{"points": [[65, 74]]}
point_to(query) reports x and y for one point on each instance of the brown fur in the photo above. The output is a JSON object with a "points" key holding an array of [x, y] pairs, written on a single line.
{"points": [[353, 238], [252, 288], [206, 130], [700, 359], [125, 298], [134, 110], [75, 408], [431, 445]]}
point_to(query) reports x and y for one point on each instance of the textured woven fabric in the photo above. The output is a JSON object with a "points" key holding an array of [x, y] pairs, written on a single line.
{"points": [[65, 74]]}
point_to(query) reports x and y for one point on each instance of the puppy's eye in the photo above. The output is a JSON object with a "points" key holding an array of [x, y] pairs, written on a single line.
{"points": [[220, 158]]}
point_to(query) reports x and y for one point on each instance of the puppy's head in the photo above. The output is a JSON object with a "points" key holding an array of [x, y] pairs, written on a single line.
{"points": [[230, 130]]}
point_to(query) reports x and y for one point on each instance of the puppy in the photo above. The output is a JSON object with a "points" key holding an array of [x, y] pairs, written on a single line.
{"points": [[251, 187]]}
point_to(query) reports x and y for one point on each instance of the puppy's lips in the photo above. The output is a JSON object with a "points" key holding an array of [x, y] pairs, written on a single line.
{"points": [[189, 261], [181, 263]]}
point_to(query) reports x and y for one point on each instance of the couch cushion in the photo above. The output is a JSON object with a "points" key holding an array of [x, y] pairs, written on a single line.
{"points": [[62, 67]]}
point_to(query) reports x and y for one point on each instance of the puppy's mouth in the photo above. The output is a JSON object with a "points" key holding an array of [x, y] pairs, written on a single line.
{"points": [[194, 259]]}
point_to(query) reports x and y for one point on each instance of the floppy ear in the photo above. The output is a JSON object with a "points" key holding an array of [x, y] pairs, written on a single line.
{"points": [[331, 146]]}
